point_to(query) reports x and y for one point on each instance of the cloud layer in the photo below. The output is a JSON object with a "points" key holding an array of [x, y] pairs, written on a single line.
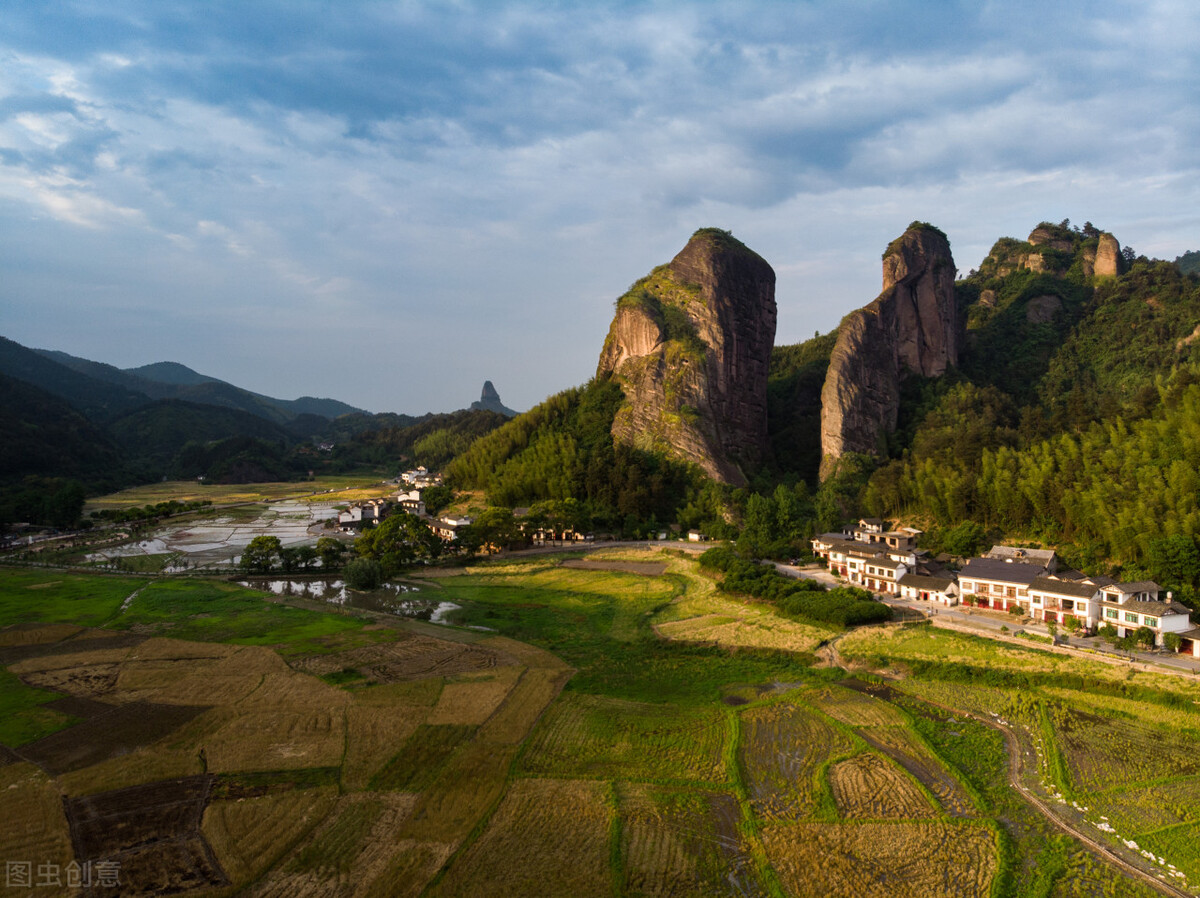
{"points": [[390, 202]]}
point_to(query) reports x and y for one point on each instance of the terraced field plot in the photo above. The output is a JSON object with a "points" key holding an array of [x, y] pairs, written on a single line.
{"points": [[783, 749], [574, 749], [585, 736]]}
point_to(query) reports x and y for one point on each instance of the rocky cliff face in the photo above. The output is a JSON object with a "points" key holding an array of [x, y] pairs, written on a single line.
{"points": [[913, 327], [690, 345]]}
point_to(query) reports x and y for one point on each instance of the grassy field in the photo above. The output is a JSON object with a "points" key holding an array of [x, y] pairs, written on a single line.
{"points": [[603, 734], [348, 487]]}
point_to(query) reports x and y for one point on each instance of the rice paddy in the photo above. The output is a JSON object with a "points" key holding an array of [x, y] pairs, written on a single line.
{"points": [[615, 726]]}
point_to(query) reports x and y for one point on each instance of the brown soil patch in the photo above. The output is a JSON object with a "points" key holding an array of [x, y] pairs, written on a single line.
{"points": [[121, 730], [411, 658], [152, 832], [67, 644]]}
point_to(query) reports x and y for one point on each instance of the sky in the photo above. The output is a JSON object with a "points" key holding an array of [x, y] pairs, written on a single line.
{"points": [[387, 203]]}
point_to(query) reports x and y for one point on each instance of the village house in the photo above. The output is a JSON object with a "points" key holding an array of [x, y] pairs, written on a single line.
{"points": [[448, 526], [993, 583], [926, 588], [869, 556], [1129, 606], [410, 502], [363, 513], [1053, 600]]}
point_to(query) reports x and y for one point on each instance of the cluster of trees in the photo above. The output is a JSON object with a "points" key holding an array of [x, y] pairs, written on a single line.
{"points": [[844, 606], [149, 512], [266, 554], [46, 501]]}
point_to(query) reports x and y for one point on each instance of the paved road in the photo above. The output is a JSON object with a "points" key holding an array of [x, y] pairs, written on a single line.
{"points": [[989, 623]]}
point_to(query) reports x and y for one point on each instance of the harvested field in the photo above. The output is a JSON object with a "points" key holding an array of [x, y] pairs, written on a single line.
{"points": [[590, 736], [378, 723], [249, 835], [411, 658], [524, 705], [684, 843], [258, 739], [35, 827], [645, 568], [421, 758], [473, 698], [346, 853], [901, 746], [152, 831], [122, 730], [412, 866], [748, 628], [34, 634], [548, 837], [529, 655], [468, 786], [869, 787], [1179, 845], [782, 748], [853, 708], [1103, 752], [883, 860]]}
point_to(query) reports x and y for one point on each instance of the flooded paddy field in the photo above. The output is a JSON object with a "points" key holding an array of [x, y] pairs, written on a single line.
{"points": [[218, 541], [404, 600]]}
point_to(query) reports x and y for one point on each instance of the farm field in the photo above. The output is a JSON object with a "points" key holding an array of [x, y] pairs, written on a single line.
{"points": [[570, 737]]}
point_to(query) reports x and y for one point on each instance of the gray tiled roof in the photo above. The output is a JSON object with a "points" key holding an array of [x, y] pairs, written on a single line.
{"points": [[921, 581], [1069, 588], [1001, 571]]}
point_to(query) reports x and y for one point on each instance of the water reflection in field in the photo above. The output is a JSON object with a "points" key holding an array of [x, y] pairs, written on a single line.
{"points": [[392, 598]]}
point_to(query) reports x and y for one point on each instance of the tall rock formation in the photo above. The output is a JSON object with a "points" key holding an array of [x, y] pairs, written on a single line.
{"points": [[489, 400], [690, 345], [913, 327]]}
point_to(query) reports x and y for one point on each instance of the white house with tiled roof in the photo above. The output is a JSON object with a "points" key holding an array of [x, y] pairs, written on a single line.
{"points": [[993, 583], [1129, 606]]}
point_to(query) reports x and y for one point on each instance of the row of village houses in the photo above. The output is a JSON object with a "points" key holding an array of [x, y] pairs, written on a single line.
{"points": [[888, 561]]}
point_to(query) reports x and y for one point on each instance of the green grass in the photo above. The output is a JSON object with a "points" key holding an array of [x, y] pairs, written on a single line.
{"points": [[54, 597], [22, 717], [213, 611], [599, 623]]}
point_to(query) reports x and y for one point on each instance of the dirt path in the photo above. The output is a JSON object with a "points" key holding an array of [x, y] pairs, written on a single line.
{"points": [[1016, 768], [1015, 780]]}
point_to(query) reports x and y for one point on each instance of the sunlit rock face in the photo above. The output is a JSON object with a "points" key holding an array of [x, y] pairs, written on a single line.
{"points": [[913, 327], [690, 345]]}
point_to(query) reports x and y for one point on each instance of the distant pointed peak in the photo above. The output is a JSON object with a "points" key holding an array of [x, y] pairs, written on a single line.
{"points": [[489, 400]]}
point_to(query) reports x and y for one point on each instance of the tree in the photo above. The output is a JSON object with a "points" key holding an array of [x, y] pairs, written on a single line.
{"points": [[1172, 641], [964, 540], [399, 541], [1108, 633], [1145, 636], [1016, 610], [364, 574], [331, 551], [261, 554], [1072, 623]]}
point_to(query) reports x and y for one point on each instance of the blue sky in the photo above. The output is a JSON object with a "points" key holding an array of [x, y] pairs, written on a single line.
{"points": [[390, 202]]}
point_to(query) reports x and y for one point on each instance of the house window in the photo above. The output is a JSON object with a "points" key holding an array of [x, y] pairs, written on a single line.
{"points": [[967, 586], [1068, 605], [1152, 622], [1131, 617], [1111, 613], [1037, 600]]}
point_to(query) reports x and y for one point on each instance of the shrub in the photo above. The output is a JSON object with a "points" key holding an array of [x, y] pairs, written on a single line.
{"points": [[363, 574]]}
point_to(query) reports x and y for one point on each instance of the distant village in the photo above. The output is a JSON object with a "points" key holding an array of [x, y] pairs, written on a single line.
{"points": [[1027, 583], [409, 500]]}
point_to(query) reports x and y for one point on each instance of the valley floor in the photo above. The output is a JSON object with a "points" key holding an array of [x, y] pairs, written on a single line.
{"points": [[612, 727]]}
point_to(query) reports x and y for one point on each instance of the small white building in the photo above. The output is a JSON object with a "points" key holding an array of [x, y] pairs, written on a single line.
{"points": [[923, 588]]}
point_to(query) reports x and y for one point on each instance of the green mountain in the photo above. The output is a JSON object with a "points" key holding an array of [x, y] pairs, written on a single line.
{"points": [[170, 380]]}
